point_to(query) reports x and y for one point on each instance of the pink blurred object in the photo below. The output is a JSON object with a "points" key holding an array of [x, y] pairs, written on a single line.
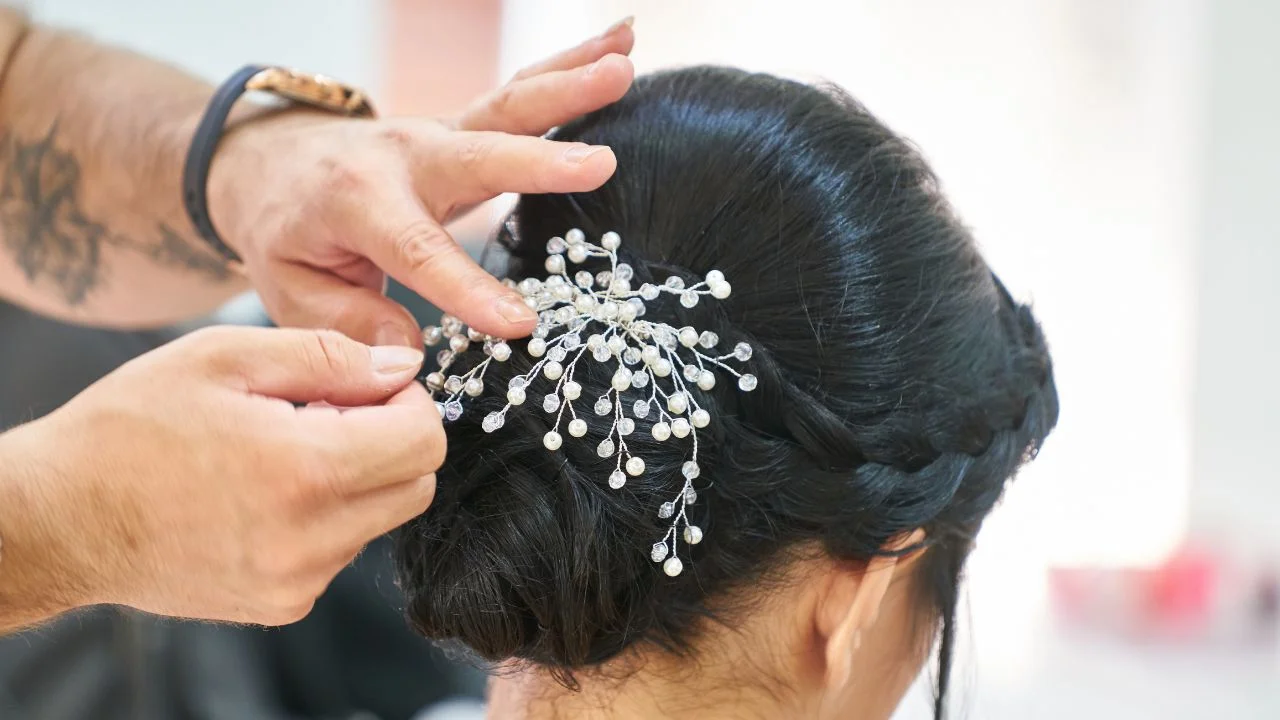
{"points": [[1195, 597]]}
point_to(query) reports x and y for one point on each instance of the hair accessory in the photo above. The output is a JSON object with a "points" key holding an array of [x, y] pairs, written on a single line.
{"points": [[658, 367]]}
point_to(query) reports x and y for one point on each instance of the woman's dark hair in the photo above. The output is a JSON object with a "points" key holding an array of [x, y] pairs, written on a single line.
{"points": [[900, 386]]}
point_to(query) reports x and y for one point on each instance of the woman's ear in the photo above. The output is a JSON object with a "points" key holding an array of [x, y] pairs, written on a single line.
{"points": [[851, 605]]}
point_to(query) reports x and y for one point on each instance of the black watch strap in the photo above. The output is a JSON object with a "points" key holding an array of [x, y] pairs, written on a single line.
{"points": [[314, 90], [195, 174]]}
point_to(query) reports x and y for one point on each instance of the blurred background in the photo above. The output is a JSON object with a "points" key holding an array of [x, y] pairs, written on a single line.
{"points": [[1117, 160]]}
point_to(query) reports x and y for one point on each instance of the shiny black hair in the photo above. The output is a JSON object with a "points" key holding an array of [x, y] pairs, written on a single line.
{"points": [[900, 386]]}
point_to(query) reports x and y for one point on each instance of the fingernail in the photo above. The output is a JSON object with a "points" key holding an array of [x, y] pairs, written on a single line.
{"points": [[514, 311], [393, 334], [624, 22], [580, 153], [394, 359]]}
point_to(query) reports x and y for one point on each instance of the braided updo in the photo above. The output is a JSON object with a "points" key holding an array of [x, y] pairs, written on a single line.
{"points": [[900, 386]]}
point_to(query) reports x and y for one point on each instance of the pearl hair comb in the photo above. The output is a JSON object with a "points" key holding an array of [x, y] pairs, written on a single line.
{"points": [[658, 365]]}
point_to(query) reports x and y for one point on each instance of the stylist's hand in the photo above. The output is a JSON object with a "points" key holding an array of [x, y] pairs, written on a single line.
{"points": [[190, 483], [322, 208]]}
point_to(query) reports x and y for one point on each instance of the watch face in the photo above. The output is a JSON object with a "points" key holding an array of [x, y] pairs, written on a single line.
{"points": [[316, 90]]}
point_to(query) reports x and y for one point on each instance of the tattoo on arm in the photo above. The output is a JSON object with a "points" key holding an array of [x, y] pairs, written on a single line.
{"points": [[51, 239]]}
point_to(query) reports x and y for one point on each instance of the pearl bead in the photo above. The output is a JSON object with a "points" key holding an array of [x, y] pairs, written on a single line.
{"points": [[515, 396], [431, 335], [617, 479], [672, 567], [577, 427], [649, 354], [459, 343], [435, 382], [680, 428], [706, 380], [606, 448], [700, 418], [474, 387], [610, 240], [714, 277], [621, 379], [677, 403], [571, 390], [556, 245], [555, 263], [627, 312], [577, 254], [553, 370], [688, 336], [661, 431], [721, 290], [575, 237], [552, 441], [662, 367], [693, 534], [616, 344], [584, 304], [635, 466], [583, 279], [537, 347], [594, 341], [501, 352]]}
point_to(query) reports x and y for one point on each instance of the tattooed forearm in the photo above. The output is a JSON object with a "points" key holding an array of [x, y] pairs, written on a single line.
{"points": [[51, 239]]}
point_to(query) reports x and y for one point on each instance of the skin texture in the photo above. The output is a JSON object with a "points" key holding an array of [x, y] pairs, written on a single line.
{"points": [[828, 642], [216, 477]]}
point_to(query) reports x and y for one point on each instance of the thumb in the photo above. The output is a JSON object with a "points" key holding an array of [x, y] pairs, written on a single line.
{"points": [[304, 366], [350, 302]]}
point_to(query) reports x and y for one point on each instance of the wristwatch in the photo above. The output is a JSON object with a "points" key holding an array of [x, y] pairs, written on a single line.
{"points": [[308, 89]]}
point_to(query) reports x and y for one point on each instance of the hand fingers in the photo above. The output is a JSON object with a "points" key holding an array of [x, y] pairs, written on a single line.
{"points": [[414, 249], [378, 446], [307, 365], [534, 105], [617, 39], [379, 511], [474, 166], [310, 297]]}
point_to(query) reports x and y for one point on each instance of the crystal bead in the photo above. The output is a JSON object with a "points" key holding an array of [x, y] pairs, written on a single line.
{"points": [[555, 263], [557, 354], [475, 335], [492, 422], [627, 312], [453, 385], [542, 330], [459, 343], [450, 325], [431, 335], [537, 347], [604, 278], [680, 427], [577, 427], [583, 279], [571, 390], [742, 352], [690, 495], [700, 418], [693, 534], [564, 315], [640, 409], [553, 370], [604, 406], [556, 245], [639, 379], [444, 358], [584, 304], [575, 237], [435, 382], [501, 351], [747, 382], [529, 286], [677, 403], [675, 282], [661, 431], [721, 290], [638, 304], [690, 372], [517, 382], [617, 479], [601, 354], [649, 291], [594, 341], [610, 240], [658, 552], [706, 380], [606, 448], [631, 356], [626, 426], [635, 466], [666, 510], [562, 293], [708, 339], [650, 354], [662, 367], [440, 409], [474, 387], [551, 403], [515, 396], [688, 336], [552, 441], [616, 344], [577, 254], [689, 298], [690, 470], [572, 341], [452, 410]]}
